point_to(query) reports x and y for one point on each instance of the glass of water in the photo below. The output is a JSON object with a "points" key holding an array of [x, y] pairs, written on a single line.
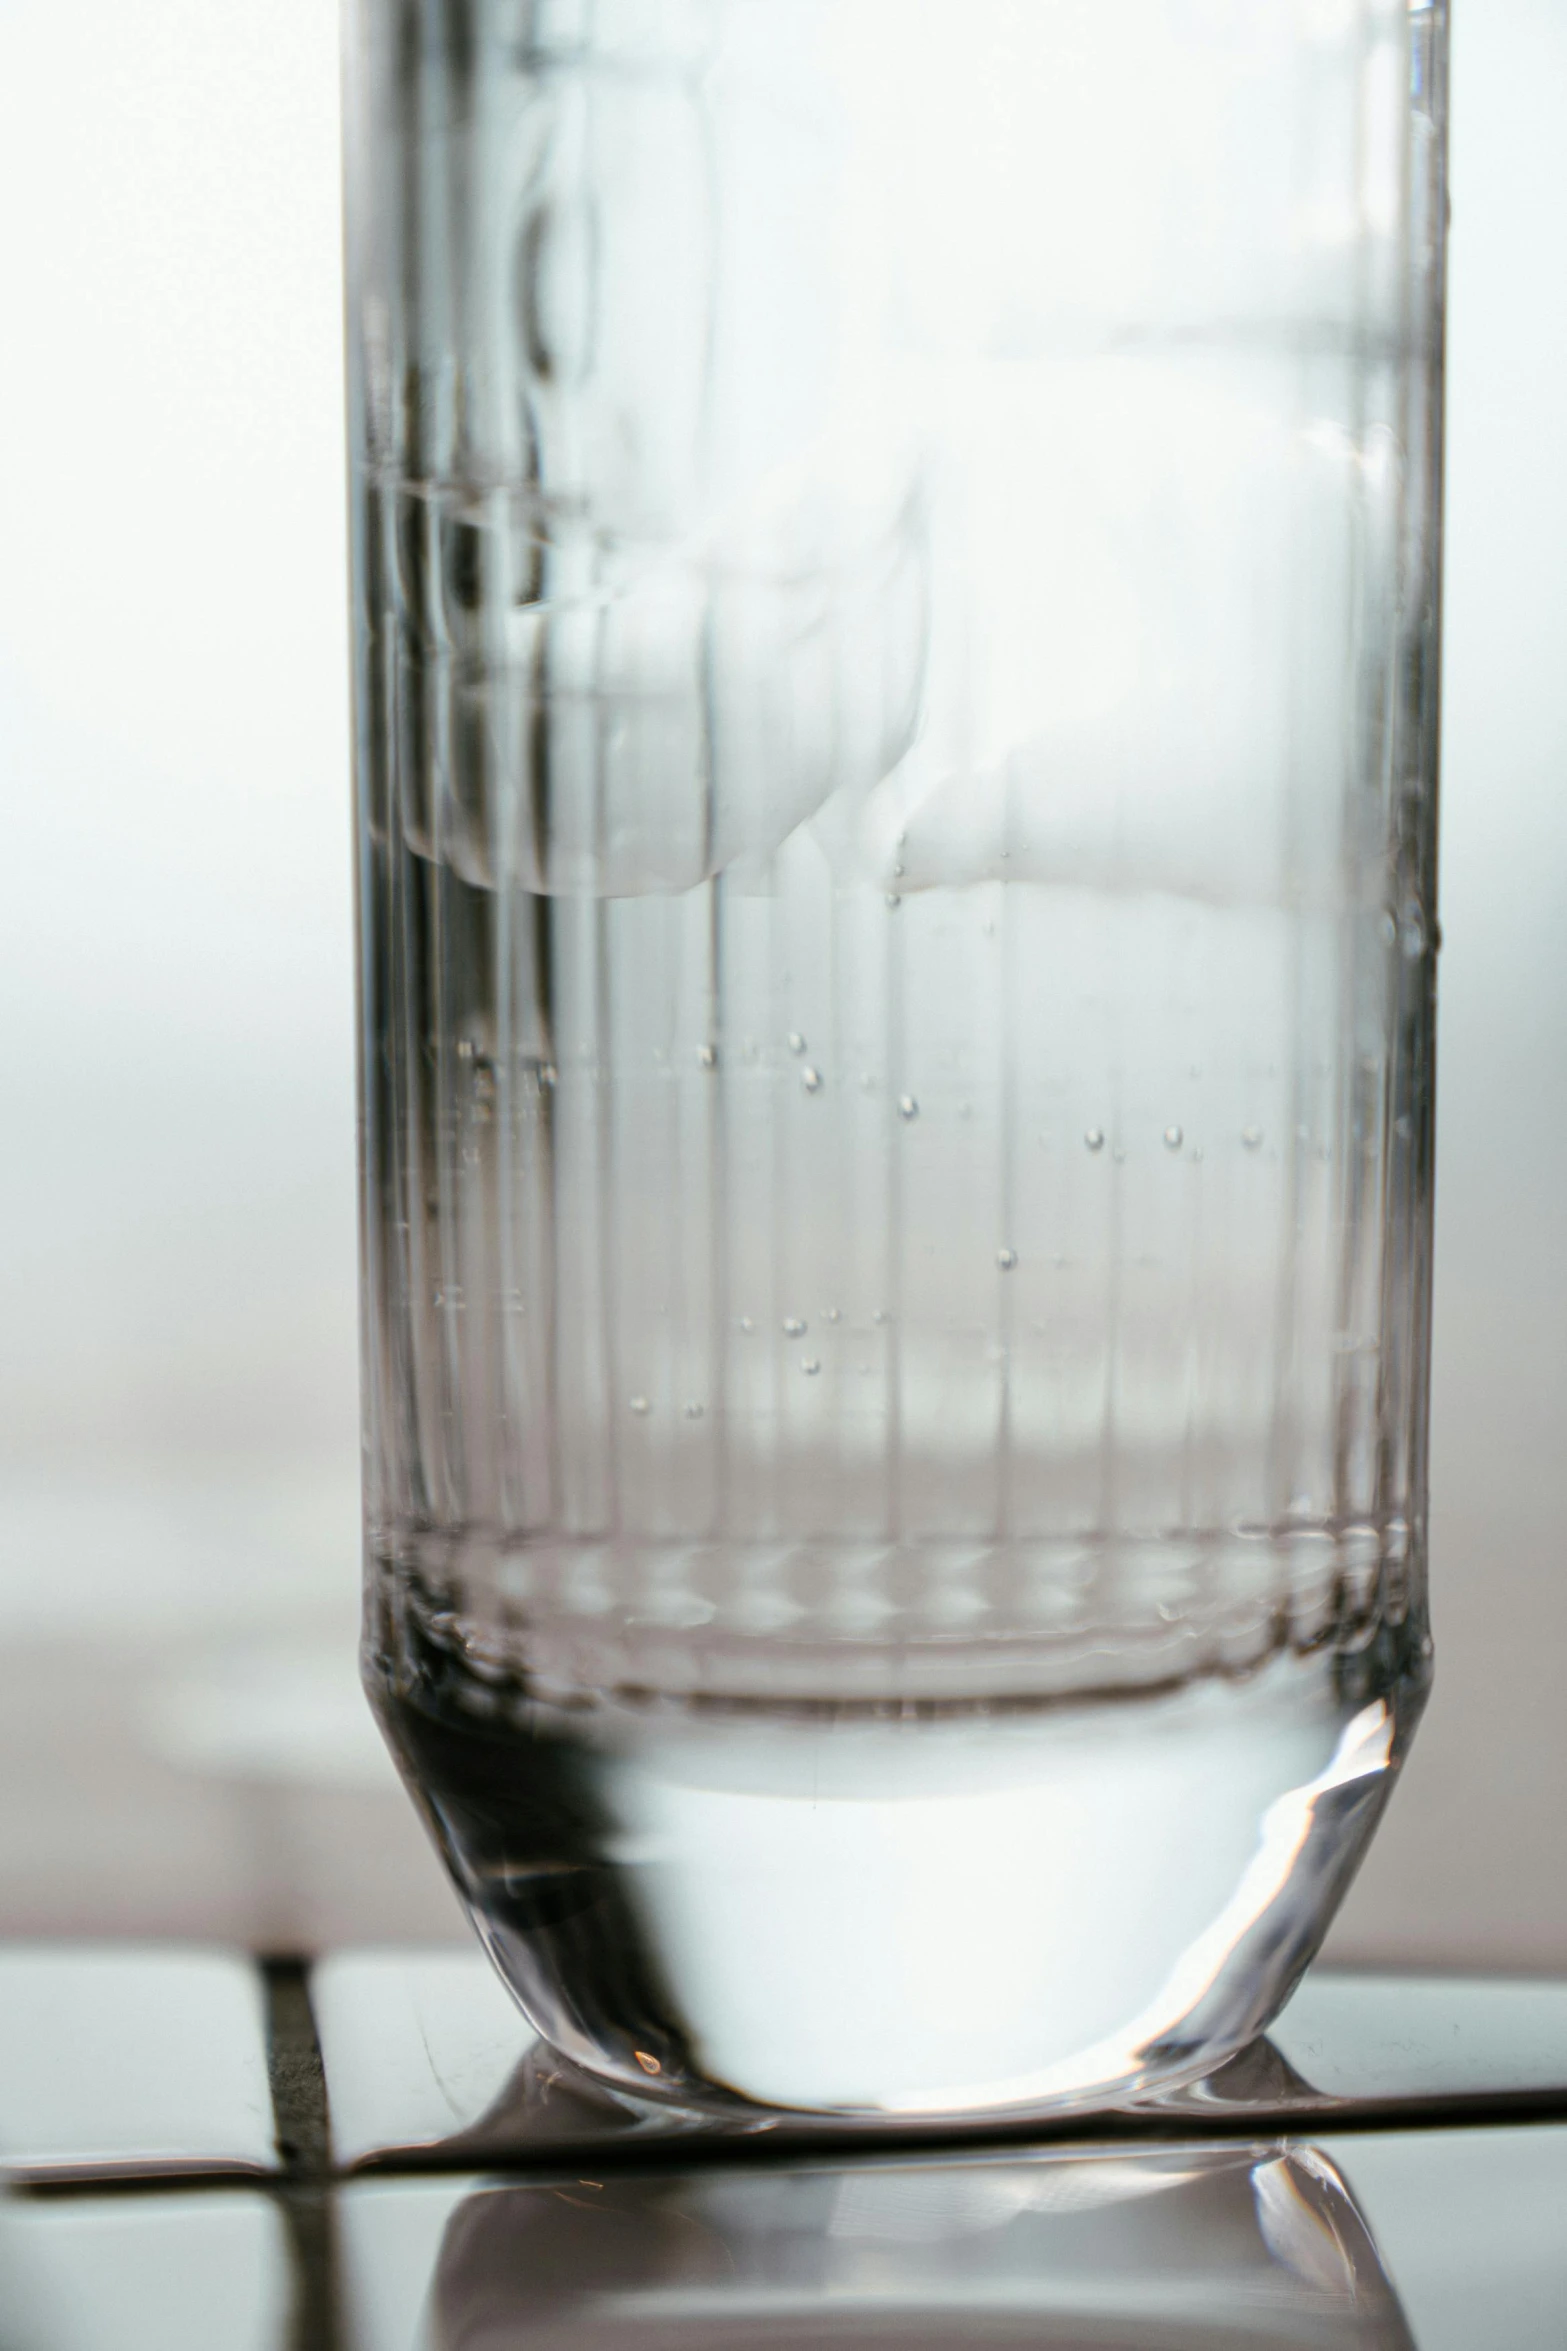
{"points": [[896, 574]]}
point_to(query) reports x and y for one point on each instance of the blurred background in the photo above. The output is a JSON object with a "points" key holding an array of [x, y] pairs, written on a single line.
{"points": [[183, 1749]]}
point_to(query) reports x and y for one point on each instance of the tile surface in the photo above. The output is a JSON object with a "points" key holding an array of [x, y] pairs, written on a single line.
{"points": [[144, 2273], [1472, 2229], [125, 2064], [426, 2051], [1444, 2240], [1173, 2248], [418, 2046], [122, 2059], [390, 2234], [1386, 2037]]}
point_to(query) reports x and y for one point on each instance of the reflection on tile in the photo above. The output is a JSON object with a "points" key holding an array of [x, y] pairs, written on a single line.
{"points": [[124, 2059], [1472, 2229], [143, 2273], [426, 2050], [1172, 2248], [389, 2239]]}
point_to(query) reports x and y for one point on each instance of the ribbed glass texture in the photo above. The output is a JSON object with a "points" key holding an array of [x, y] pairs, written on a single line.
{"points": [[896, 561]]}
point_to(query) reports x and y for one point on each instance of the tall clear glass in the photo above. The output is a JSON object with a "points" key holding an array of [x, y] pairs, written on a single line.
{"points": [[896, 573]]}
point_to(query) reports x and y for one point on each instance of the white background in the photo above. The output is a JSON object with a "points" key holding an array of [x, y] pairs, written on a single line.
{"points": [[181, 1746]]}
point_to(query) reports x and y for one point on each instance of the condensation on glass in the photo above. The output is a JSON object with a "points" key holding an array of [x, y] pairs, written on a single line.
{"points": [[896, 570]]}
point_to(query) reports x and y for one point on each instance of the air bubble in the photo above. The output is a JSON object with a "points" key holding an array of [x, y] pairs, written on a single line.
{"points": [[748, 1324], [894, 900], [1006, 1259], [810, 1365], [1095, 1138], [835, 1314], [694, 1411], [811, 1080], [796, 1041], [707, 1055], [908, 1108], [1174, 1137], [1252, 1138], [640, 1406], [795, 1327], [547, 1074]]}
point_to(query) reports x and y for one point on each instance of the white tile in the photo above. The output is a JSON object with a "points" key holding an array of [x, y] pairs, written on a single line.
{"points": [[144, 2273], [390, 2234], [1375, 2037], [417, 2046], [1472, 2229], [123, 2059]]}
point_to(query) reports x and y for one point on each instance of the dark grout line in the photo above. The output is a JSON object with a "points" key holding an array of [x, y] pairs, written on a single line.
{"points": [[303, 2128], [631, 2155], [297, 2075], [307, 2192], [62, 2186]]}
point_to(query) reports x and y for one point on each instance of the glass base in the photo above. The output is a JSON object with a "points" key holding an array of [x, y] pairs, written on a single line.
{"points": [[869, 1915]]}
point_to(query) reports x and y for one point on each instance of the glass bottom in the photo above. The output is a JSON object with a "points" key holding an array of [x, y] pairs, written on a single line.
{"points": [[872, 1912]]}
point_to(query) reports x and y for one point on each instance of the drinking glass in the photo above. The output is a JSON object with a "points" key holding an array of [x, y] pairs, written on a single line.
{"points": [[896, 591]]}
